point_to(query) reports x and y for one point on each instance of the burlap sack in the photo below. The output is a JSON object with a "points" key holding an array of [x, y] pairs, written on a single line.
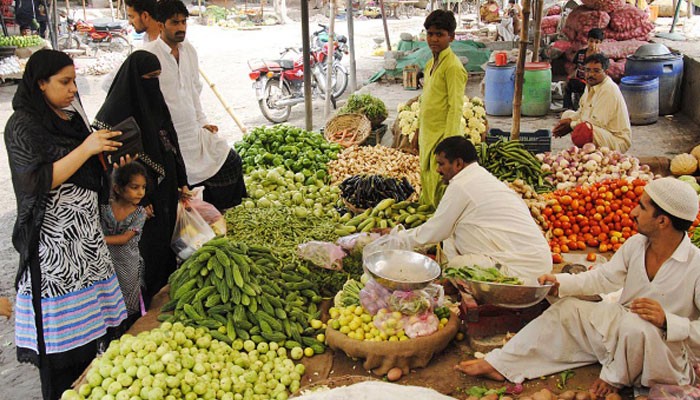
{"points": [[380, 357]]}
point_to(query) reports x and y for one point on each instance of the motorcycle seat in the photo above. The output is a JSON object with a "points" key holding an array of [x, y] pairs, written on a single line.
{"points": [[282, 63], [117, 25], [100, 26]]}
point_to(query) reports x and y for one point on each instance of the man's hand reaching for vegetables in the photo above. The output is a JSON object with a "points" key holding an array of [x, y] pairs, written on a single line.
{"points": [[562, 128]]}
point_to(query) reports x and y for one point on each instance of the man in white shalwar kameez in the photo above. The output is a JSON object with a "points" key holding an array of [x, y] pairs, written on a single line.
{"points": [[480, 219], [602, 116], [209, 160], [649, 337]]}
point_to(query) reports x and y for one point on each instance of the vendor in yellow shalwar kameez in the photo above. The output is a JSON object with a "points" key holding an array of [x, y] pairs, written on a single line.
{"points": [[442, 100]]}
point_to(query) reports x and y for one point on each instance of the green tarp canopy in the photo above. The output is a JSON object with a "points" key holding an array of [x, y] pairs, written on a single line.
{"points": [[475, 52]]}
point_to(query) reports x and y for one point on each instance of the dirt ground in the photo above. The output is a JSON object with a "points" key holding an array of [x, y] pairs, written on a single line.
{"points": [[223, 56]]}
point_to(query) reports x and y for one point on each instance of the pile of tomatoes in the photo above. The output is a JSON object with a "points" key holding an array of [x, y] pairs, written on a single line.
{"points": [[596, 216]]}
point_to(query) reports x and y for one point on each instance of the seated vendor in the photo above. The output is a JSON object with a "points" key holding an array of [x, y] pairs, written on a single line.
{"points": [[481, 221], [602, 116], [648, 336], [489, 11]]}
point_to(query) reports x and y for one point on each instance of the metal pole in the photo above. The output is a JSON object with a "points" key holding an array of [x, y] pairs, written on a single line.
{"points": [[54, 24], [329, 62], [111, 9], [520, 72], [386, 29], [351, 44], [306, 48]]}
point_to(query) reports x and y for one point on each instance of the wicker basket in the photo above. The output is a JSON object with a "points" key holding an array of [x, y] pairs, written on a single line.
{"points": [[352, 208], [356, 126]]}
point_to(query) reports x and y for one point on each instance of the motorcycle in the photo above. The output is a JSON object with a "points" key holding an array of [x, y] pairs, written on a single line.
{"points": [[106, 36], [279, 84], [320, 41]]}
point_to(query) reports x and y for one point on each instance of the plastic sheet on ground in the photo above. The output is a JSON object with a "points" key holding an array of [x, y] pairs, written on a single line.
{"points": [[376, 391], [475, 52]]}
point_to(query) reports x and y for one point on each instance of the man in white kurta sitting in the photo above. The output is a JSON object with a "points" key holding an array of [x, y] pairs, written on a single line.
{"points": [[602, 116], [209, 160], [648, 337], [481, 221]]}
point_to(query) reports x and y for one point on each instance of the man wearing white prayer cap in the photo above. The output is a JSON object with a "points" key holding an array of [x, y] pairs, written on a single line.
{"points": [[652, 335]]}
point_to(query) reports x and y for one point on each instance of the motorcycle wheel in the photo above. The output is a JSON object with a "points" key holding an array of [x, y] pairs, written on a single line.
{"points": [[271, 94], [68, 42], [119, 44], [340, 81]]}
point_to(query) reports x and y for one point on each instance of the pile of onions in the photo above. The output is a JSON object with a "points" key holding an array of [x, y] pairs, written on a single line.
{"points": [[588, 164]]}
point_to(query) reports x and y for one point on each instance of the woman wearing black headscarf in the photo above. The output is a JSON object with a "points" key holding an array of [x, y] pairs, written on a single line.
{"points": [[135, 92], [65, 275]]}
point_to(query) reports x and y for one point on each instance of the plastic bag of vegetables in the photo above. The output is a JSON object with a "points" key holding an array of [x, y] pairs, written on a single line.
{"points": [[322, 254], [374, 297], [191, 231], [421, 325], [357, 241], [410, 302]]}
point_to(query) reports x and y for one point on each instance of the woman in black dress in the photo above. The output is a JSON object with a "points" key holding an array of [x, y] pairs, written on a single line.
{"points": [[135, 92]]}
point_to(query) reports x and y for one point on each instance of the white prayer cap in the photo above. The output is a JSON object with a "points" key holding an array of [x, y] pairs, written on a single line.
{"points": [[675, 197]]}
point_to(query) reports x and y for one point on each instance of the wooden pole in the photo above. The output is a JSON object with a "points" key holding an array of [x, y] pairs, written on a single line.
{"points": [[329, 62], [351, 47], [539, 14], [386, 28], [84, 12], [306, 52], [223, 102], [520, 72]]}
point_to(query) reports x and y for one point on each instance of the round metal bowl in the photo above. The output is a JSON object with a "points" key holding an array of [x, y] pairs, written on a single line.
{"points": [[509, 296], [652, 50], [401, 269]]}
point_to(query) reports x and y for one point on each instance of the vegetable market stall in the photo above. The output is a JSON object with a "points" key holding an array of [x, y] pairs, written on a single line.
{"points": [[258, 288]]}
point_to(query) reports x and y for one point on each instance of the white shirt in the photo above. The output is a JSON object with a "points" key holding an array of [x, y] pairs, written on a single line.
{"points": [[480, 215], [676, 285], [604, 107], [203, 152]]}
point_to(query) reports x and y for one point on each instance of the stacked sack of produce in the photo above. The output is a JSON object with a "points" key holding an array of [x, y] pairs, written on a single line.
{"points": [[550, 23], [629, 22], [626, 28], [607, 6], [583, 19]]}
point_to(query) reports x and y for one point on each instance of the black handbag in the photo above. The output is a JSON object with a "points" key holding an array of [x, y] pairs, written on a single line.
{"points": [[130, 140]]}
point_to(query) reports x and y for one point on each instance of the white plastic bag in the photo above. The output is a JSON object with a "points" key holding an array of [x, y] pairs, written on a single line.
{"points": [[392, 241], [191, 231], [209, 213], [357, 241], [322, 254]]}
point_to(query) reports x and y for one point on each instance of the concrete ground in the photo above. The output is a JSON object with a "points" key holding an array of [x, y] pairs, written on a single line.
{"points": [[223, 56]]}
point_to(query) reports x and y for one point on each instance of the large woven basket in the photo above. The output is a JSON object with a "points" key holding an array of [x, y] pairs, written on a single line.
{"points": [[348, 129]]}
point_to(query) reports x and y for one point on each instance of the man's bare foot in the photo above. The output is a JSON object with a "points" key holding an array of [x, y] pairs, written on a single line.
{"points": [[600, 388], [479, 368]]}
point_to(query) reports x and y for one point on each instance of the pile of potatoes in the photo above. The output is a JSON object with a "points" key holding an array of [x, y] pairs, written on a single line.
{"points": [[545, 394]]}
